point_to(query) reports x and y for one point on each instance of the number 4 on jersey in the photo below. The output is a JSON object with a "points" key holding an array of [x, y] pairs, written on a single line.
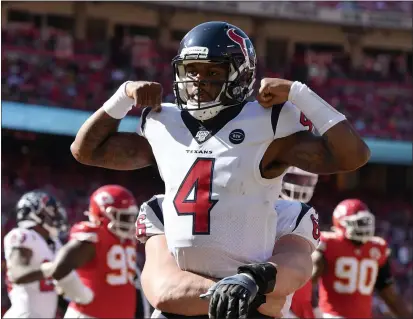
{"points": [[197, 181]]}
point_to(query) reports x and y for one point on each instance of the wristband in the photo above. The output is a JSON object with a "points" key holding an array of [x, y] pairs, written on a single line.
{"points": [[318, 111], [264, 275], [119, 104]]}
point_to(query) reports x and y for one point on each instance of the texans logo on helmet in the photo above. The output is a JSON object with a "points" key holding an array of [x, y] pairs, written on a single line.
{"points": [[44, 199], [240, 41]]}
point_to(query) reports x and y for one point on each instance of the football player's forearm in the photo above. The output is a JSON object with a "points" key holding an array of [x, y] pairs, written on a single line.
{"points": [[70, 257], [394, 301], [293, 271], [28, 277], [342, 140], [178, 293], [347, 149]]}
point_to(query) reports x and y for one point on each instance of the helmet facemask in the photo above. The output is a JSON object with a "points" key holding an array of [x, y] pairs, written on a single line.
{"points": [[122, 221], [359, 227], [299, 187], [234, 90]]}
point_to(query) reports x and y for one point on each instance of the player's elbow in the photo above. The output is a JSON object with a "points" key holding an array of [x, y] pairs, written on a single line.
{"points": [[291, 276], [302, 273], [162, 303], [167, 298], [361, 157], [356, 156], [155, 290], [162, 299], [76, 152], [80, 154]]}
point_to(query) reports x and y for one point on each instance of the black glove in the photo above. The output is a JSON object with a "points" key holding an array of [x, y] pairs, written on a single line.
{"points": [[231, 297]]}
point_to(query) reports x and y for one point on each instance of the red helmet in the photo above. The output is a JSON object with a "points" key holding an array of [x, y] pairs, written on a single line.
{"points": [[298, 185], [114, 206], [354, 220]]}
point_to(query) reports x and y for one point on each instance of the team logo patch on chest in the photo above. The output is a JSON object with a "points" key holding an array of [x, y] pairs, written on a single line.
{"points": [[375, 253], [237, 136]]}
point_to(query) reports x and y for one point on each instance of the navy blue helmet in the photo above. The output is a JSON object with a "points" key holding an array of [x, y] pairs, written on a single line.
{"points": [[40, 208], [221, 43]]}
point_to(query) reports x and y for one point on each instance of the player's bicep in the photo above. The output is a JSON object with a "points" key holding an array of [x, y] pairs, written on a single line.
{"points": [[71, 256], [159, 266], [307, 151], [123, 151], [292, 244], [157, 254]]}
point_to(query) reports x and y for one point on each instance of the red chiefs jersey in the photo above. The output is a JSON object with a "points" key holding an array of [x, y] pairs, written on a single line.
{"points": [[301, 303], [347, 285], [110, 275]]}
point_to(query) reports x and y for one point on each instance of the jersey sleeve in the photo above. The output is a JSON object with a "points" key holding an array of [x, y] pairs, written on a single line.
{"points": [[142, 122], [288, 119], [295, 218], [150, 219], [19, 238], [384, 251], [85, 231], [324, 239]]}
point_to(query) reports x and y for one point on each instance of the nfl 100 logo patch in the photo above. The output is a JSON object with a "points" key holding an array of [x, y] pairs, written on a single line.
{"points": [[202, 135]]}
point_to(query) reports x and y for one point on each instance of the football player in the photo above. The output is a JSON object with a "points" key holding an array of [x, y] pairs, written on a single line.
{"points": [[103, 253], [35, 240], [175, 292], [221, 157], [351, 263], [300, 185]]}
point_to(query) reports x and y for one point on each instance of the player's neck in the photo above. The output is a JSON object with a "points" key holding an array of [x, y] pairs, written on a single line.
{"points": [[356, 243], [42, 232], [224, 116]]}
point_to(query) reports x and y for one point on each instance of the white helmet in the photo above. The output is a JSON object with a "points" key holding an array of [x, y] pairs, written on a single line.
{"points": [[298, 185]]}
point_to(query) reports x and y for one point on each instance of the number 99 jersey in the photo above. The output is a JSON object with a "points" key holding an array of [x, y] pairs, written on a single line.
{"points": [[215, 195], [351, 274], [110, 274]]}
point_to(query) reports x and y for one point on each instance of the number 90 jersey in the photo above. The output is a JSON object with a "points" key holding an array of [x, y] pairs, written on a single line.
{"points": [[111, 274], [347, 285], [215, 197]]}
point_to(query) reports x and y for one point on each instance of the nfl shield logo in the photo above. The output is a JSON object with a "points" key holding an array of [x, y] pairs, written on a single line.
{"points": [[201, 135]]}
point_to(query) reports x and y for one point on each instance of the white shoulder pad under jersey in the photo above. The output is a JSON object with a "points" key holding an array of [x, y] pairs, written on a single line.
{"points": [[20, 238], [286, 119], [290, 121], [298, 219], [146, 115], [150, 219]]}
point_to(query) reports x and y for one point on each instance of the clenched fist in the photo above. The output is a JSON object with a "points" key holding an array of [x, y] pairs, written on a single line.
{"points": [[145, 94], [273, 91]]}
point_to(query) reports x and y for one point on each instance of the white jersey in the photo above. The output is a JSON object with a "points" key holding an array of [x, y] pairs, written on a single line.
{"points": [[37, 299], [294, 218], [215, 172]]}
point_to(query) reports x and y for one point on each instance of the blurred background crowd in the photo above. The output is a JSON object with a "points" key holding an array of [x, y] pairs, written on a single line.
{"points": [[73, 55]]}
